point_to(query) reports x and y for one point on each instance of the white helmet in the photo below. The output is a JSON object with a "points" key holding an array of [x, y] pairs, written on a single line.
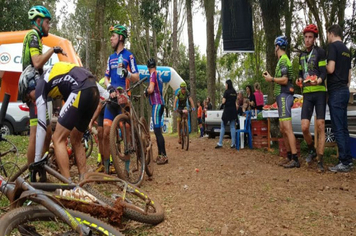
{"points": [[27, 81]]}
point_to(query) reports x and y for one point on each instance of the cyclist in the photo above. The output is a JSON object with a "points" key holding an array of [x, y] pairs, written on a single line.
{"points": [[312, 62], [154, 92], [283, 90], [78, 89], [120, 74], [32, 55], [182, 97]]}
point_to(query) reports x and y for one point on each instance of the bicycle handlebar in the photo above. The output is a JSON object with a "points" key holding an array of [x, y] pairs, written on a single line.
{"points": [[137, 84]]}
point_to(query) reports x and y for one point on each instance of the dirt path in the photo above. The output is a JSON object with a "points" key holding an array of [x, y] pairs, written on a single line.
{"points": [[245, 193]]}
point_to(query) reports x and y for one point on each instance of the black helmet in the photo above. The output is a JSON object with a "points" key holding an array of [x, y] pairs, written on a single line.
{"points": [[151, 63]]}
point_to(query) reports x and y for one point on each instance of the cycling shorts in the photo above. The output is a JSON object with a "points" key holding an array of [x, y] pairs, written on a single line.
{"points": [[33, 114], [180, 113], [78, 114], [112, 109], [157, 112], [199, 121], [311, 100], [285, 103], [101, 117]]}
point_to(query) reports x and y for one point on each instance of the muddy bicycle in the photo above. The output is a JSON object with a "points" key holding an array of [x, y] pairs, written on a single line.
{"points": [[184, 128], [129, 152]]}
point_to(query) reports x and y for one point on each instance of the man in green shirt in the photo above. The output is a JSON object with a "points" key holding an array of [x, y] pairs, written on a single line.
{"points": [[283, 90], [32, 55]]}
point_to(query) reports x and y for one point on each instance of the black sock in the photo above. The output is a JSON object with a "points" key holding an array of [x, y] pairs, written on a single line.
{"points": [[289, 155], [311, 147], [295, 157]]}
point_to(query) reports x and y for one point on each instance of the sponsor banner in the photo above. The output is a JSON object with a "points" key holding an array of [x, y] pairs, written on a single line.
{"points": [[11, 57], [164, 72]]}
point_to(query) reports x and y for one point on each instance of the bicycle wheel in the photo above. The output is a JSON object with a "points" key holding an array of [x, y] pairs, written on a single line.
{"points": [[147, 144], [87, 142], [144, 208], [182, 133], [37, 220], [186, 135], [128, 156]]}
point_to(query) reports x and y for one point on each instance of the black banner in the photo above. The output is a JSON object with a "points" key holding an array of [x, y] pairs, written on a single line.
{"points": [[237, 26]]}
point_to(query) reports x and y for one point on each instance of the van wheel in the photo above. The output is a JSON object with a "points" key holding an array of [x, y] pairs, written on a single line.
{"points": [[329, 135], [7, 129]]}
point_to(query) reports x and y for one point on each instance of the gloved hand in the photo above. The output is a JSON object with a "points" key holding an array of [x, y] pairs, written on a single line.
{"points": [[193, 109], [126, 73], [145, 92], [110, 89], [57, 50]]}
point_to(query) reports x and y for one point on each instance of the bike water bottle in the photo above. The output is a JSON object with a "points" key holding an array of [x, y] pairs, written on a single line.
{"points": [[119, 69]]}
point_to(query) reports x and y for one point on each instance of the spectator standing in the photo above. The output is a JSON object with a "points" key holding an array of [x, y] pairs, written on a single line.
{"points": [[229, 114], [283, 90], [199, 116], [208, 103], [339, 76]]}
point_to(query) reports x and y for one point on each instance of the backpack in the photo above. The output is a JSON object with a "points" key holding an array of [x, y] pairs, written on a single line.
{"points": [[259, 98]]}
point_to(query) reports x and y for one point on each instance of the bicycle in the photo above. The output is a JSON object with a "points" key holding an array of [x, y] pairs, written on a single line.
{"points": [[48, 208], [126, 146], [184, 131]]}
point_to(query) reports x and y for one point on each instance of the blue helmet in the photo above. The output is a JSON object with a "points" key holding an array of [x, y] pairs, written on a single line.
{"points": [[281, 41], [38, 11]]}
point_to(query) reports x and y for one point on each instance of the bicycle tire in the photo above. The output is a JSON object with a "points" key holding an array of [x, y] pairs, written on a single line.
{"points": [[90, 143], [24, 215], [182, 133], [137, 161], [155, 212], [186, 132], [148, 154]]}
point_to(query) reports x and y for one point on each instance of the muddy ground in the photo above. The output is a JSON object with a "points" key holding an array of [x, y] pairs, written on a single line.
{"points": [[208, 191]]}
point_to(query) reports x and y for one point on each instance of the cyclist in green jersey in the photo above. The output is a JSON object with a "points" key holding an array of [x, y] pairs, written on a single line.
{"points": [[283, 90], [182, 97], [312, 64], [32, 55]]}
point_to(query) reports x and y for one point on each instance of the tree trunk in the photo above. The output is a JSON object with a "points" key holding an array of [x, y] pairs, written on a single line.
{"points": [[271, 24], [288, 17], [175, 53], [210, 49], [102, 38], [192, 76]]}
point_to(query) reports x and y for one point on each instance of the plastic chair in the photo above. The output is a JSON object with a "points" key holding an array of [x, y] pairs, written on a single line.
{"points": [[246, 129]]}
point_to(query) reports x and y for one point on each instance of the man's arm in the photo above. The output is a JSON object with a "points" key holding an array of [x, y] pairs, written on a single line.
{"points": [[39, 60], [330, 67], [191, 103], [41, 104], [174, 104], [348, 84]]}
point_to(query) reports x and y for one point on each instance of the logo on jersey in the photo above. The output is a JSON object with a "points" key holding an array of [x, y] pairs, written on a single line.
{"points": [[66, 78], [132, 62]]}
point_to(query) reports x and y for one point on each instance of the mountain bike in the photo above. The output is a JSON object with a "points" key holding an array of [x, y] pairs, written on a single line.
{"points": [[184, 128], [19, 192], [127, 150]]}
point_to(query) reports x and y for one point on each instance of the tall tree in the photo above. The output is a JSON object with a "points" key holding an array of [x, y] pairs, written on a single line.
{"points": [[271, 22], [192, 69], [209, 6]]}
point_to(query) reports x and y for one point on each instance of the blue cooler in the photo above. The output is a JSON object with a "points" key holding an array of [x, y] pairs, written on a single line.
{"points": [[353, 145]]}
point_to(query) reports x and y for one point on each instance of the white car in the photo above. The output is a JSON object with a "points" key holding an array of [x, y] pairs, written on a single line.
{"points": [[16, 120]]}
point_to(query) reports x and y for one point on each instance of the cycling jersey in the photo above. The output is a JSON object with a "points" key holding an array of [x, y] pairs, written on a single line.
{"points": [[284, 68], [129, 62], [156, 97], [182, 99], [32, 45], [313, 63], [78, 89]]}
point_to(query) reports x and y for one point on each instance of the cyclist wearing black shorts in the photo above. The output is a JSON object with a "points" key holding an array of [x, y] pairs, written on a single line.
{"points": [[77, 87], [32, 55], [312, 63], [182, 98], [283, 90]]}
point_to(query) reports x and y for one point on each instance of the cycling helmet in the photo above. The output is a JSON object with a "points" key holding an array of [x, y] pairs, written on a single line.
{"points": [[151, 63], [281, 41], [311, 28], [183, 85], [38, 11], [27, 81], [119, 29]]}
